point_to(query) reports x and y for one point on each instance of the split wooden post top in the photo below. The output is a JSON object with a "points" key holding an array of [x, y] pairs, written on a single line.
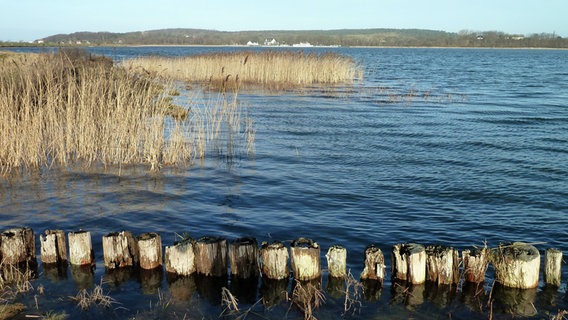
{"points": [[409, 263], [53, 247], [374, 265]]}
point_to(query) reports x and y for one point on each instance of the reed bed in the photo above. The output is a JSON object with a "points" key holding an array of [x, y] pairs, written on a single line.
{"points": [[67, 108], [266, 69]]}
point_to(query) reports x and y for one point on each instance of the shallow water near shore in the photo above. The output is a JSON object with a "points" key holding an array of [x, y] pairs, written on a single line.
{"points": [[436, 146]]}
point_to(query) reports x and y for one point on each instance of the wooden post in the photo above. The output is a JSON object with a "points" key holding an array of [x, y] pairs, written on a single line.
{"points": [[442, 265], [409, 263], [475, 264], [81, 249], [516, 265], [337, 261], [180, 258], [120, 250], [374, 265], [211, 256], [243, 258], [53, 247], [150, 250], [306, 260], [274, 258], [17, 245], [399, 265], [553, 267]]}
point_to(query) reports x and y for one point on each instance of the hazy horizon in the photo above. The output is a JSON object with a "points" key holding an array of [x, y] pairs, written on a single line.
{"points": [[35, 19]]}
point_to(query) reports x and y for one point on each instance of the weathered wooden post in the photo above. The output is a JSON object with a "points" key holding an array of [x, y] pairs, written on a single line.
{"points": [[17, 246], [180, 258], [211, 256], [243, 258], [81, 249], [305, 259], [150, 250], [53, 247], [442, 265], [475, 263], [274, 258], [516, 265], [553, 267], [120, 250], [337, 261], [409, 263], [374, 265]]}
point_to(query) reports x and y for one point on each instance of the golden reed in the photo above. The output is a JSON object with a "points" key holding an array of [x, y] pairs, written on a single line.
{"points": [[68, 107], [266, 69]]}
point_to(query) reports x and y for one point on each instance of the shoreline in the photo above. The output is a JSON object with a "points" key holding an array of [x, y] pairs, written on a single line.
{"points": [[273, 47]]}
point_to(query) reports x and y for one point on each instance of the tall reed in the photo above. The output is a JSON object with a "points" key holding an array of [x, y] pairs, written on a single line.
{"points": [[65, 108], [269, 69]]}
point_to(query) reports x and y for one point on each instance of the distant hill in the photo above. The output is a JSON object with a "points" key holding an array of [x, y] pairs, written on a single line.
{"points": [[342, 37]]}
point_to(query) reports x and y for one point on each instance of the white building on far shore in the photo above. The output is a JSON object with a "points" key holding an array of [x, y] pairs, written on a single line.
{"points": [[302, 45]]}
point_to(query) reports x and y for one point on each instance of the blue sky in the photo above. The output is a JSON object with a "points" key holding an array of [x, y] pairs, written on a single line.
{"points": [[27, 20]]}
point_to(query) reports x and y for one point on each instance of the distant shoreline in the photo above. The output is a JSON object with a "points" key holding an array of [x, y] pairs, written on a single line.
{"points": [[368, 38], [2, 46]]}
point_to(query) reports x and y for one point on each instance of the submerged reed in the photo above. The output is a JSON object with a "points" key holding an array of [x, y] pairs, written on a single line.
{"points": [[267, 69], [63, 109]]}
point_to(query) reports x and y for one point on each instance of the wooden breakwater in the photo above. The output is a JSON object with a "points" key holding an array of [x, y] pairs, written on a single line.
{"points": [[516, 265]]}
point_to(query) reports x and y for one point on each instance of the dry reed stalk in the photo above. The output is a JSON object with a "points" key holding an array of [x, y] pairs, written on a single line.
{"points": [[229, 302], [14, 279], [353, 295], [307, 298], [268, 69]]}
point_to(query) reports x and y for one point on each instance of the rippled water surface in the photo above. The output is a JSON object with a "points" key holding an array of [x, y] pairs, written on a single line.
{"points": [[449, 146]]}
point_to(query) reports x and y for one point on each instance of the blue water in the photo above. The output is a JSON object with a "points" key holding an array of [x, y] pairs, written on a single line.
{"points": [[450, 146]]}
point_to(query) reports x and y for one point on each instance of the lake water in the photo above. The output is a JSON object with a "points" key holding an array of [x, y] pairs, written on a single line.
{"points": [[435, 146]]}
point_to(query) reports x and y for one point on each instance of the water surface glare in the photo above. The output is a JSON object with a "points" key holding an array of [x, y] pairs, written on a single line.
{"points": [[436, 146]]}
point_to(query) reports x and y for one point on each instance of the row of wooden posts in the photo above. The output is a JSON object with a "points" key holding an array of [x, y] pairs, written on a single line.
{"points": [[516, 265]]}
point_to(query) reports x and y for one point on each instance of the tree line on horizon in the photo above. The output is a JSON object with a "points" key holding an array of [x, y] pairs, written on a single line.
{"points": [[345, 37]]}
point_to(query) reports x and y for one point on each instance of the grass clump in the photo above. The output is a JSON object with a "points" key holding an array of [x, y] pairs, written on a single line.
{"points": [[96, 297], [13, 281], [266, 69]]}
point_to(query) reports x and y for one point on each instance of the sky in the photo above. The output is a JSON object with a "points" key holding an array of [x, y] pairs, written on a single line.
{"points": [[27, 20]]}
